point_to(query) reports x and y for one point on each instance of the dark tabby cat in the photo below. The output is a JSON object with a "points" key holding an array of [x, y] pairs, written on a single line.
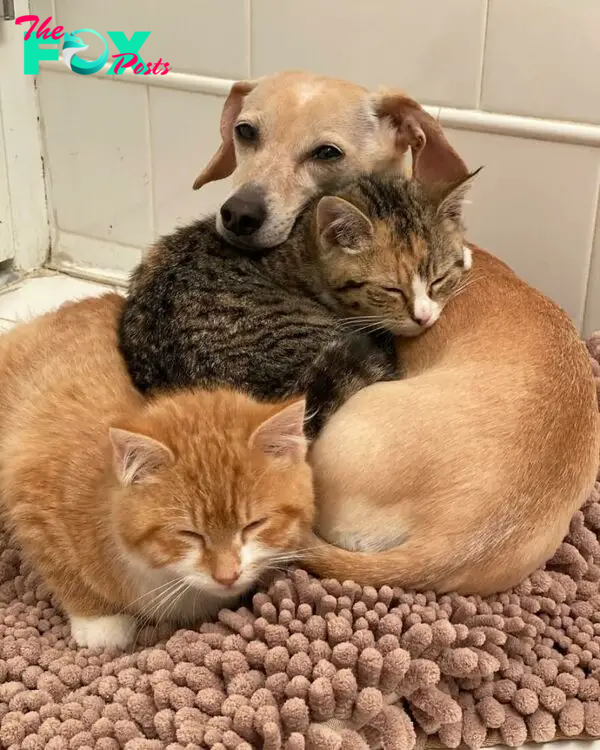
{"points": [[383, 255]]}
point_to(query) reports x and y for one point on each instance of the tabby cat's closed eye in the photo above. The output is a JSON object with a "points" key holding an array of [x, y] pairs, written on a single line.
{"points": [[438, 283], [395, 290]]}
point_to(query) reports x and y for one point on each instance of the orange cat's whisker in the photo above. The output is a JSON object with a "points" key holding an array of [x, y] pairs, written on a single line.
{"points": [[153, 607], [169, 608], [153, 593], [291, 556]]}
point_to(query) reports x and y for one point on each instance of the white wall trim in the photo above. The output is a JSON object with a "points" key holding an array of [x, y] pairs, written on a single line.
{"points": [[464, 119], [179, 81], [110, 277], [523, 127], [92, 258]]}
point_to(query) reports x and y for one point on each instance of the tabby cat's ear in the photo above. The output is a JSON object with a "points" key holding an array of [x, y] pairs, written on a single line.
{"points": [[136, 457], [282, 435], [451, 198], [342, 225]]}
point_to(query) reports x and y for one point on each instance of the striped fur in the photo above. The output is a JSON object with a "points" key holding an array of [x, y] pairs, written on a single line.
{"points": [[278, 324]]}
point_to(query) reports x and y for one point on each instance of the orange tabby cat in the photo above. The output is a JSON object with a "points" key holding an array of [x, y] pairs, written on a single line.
{"points": [[169, 508]]}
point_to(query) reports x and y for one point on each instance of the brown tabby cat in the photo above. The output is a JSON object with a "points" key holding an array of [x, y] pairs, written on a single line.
{"points": [[166, 509], [382, 255]]}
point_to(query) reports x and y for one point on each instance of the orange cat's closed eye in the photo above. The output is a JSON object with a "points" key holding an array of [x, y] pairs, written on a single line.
{"points": [[254, 526]]}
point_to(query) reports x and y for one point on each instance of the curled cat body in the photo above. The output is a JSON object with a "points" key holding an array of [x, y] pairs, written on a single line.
{"points": [[294, 319], [134, 509]]}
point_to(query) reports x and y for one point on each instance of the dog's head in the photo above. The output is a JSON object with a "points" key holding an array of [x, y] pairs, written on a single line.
{"points": [[288, 137]]}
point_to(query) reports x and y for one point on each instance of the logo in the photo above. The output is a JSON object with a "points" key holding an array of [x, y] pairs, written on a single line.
{"points": [[45, 43], [72, 45]]}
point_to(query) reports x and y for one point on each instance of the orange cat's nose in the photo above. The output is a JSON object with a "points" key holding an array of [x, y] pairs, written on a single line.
{"points": [[227, 578]]}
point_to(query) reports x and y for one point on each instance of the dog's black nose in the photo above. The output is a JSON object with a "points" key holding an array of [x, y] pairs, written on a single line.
{"points": [[245, 212]]}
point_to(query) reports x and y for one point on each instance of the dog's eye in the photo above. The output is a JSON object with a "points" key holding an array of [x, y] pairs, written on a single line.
{"points": [[327, 153], [246, 132]]}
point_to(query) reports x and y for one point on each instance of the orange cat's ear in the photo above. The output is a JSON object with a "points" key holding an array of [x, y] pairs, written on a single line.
{"points": [[136, 457], [282, 436], [341, 225]]}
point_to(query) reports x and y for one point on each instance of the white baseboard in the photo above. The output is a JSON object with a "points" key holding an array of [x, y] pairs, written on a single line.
{"points": [[94, 259]]}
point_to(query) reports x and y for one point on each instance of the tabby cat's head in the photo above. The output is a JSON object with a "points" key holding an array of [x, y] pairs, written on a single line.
{"points": [[392, 250], [212, 488]]}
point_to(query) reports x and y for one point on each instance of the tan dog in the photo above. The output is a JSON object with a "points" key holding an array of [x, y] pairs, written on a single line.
{"points": [[464, 475]]}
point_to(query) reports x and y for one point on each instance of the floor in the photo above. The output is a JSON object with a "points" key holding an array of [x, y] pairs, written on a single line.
{"points": [[36, 295]]}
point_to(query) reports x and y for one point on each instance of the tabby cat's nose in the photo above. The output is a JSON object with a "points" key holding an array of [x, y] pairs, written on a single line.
{"points": [[424, 318], [245, 212]]}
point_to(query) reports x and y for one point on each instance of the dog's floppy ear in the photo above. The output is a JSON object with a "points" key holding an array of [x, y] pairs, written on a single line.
{"points": [[433, 158], [223, 162]]}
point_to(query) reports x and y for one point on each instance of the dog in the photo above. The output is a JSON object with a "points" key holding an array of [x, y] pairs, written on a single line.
{"points": [[463, 475], [289, 136]]}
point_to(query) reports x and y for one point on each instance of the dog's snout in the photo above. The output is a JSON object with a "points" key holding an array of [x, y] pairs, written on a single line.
{"points": [[245, 212]]}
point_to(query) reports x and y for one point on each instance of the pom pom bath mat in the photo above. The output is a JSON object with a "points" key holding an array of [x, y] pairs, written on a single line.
{"points": [[320, 665]]}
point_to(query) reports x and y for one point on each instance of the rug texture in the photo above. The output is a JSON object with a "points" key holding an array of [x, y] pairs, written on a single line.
{"points": [[320, 665]]}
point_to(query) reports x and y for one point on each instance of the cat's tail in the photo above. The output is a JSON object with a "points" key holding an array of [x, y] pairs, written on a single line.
{"points": [[412, 565], [344, 366]]}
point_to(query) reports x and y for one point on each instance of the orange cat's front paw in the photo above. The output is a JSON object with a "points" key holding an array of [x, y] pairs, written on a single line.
{"points": [[112, 631]]}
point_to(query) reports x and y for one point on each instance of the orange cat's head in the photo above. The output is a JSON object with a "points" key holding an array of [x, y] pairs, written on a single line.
{"points": [[212, 488]]}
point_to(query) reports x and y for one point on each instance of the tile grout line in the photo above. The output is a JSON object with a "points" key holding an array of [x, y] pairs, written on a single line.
{"points": [[248, 14], [483, 48], [11, 232], [595, 226], [150, 165]]}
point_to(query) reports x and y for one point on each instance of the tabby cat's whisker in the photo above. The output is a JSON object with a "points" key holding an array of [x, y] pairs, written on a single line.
{"points": [[371, 328], [358, 318], [461, 288]]}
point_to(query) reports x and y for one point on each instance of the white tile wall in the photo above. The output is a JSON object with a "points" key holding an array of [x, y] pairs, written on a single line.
{"points": [[184, 136], [121, 157], [198, 36], [97, 145], [534, 206], [398, 42], [542, 59]]}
